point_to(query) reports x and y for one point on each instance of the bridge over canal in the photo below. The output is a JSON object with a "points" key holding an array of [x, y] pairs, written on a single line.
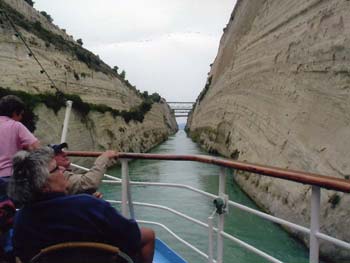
{"points": [[181, 108]]}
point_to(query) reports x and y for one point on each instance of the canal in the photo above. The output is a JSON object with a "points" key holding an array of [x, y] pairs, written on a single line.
{"points": [[256, 231]]}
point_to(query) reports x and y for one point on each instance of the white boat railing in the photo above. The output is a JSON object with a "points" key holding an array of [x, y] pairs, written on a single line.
{"points": [[316, 181]]}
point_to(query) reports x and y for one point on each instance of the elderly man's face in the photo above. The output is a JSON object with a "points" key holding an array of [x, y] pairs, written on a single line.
{"points": [[62, 160], [56, 182]]}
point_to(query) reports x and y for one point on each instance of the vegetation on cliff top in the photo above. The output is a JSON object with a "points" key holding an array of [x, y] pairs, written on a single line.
{"points": [[58, 100], [48, 17], [75, 49], [30, 2], [58, 41]]}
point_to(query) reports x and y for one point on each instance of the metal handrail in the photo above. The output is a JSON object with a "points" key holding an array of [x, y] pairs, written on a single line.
{"points": [[176, 236], [232, 203], [317, 182], [224, 234], [240, 207], [327, 182]]}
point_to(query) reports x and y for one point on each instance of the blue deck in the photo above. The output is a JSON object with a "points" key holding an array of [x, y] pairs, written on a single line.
{"points": [[164, 254]]}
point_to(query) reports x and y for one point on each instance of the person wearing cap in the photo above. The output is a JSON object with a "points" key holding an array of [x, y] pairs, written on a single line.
{"points": [[14, 136], [86, 182]]}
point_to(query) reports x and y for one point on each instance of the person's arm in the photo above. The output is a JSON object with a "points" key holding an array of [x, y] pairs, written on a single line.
{"points": [[91, 180], [126, 234], [122, 232], [32, 146], [26, 139]]}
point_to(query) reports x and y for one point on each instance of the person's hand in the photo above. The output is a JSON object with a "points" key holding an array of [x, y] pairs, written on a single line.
{"points": [[32, 146], [98, 195], [111, 154]]}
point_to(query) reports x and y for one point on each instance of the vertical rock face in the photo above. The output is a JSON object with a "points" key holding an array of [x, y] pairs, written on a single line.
{"points": [[278, 93], [76, 71], [101, 132]]}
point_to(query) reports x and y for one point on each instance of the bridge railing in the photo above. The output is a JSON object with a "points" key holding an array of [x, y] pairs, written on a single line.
{"points": [[316, 181]]}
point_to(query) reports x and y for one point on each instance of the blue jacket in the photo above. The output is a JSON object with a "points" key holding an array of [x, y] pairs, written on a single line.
{"points": [[59, 218]]}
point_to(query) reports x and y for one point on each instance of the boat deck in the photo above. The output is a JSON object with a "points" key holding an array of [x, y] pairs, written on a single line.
{"points": [[164, 254]]}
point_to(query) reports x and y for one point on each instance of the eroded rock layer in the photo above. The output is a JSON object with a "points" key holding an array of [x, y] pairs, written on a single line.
{"points": [[76, 71], [278, 93]]}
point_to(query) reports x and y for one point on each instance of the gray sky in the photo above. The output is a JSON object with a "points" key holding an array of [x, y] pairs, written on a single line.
{"points": [[165, 46]]}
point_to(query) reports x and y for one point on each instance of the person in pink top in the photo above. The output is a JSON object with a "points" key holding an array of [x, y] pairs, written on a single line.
{"points": [[14, 136]]}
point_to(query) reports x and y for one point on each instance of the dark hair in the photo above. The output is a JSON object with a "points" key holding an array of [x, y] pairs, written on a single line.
{"points": [[11, 104]]}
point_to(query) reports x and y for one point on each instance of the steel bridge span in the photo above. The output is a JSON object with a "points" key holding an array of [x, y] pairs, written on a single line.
{"points": [[181, 108]]}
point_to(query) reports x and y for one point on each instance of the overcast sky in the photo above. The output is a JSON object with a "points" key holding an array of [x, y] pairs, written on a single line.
{"points": [[165, 46]]}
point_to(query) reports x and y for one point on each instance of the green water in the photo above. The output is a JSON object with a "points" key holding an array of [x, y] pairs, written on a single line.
{"points": [[256, 231]]}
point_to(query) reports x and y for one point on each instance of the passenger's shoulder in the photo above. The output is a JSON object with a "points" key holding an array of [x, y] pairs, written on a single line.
{"points": [[18, 125], [85, 198]]}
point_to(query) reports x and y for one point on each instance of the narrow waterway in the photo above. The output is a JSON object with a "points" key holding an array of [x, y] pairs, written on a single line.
{"points": [[252, 229]]}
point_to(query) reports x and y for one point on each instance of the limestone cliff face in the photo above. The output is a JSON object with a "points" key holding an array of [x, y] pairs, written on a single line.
{"points": [[74, 71], [100, 132], [278, 93]]}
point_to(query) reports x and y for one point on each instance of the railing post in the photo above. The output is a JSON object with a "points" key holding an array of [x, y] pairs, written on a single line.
{"points": [[221, 220], [210, 240], [130, 203], [315, 224], [66, 120], [125, 179]]}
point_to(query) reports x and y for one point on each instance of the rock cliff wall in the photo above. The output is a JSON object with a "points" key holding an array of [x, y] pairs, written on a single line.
{"points": [[278, 93], [77, 71], [98, 131], [73, 69]]}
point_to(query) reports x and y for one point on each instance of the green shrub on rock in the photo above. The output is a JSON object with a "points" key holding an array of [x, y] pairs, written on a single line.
{"points": [[56, 101]]}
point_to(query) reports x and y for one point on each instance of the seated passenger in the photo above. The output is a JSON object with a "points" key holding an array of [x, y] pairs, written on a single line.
{"points": [[49, 216], [87, 182]]}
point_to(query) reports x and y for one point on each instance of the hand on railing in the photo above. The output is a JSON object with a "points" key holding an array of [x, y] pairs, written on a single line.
{"points": [[111, 154]]}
